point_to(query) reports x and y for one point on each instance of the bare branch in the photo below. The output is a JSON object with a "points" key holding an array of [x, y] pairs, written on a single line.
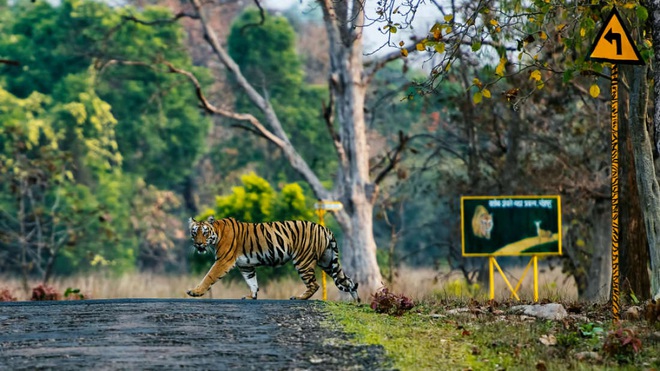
{"points": [[10, 62], [157, 22], [226, 113], [262, 15], [394, 157], [282, 140], [329, 118]]}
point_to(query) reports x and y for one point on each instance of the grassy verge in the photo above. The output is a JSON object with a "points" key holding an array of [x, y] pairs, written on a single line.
{"points": [[487, 338]]}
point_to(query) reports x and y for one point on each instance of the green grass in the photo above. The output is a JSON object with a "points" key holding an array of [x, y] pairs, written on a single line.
{"points": [[428, 338]]}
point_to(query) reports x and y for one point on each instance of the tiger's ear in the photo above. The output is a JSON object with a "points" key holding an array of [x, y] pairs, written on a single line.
{"points": [[210, 219], [191, 221]]}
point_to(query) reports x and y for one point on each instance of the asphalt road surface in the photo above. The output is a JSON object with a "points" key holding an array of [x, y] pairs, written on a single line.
{"points": [[145, 334]]}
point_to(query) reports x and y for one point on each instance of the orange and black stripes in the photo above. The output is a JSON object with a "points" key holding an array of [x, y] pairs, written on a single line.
{"points": [[248, 245], [615, 191]]}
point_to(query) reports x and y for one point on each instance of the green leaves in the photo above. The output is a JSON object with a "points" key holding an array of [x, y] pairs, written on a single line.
{"points": [[642, 13], [256, 201]]}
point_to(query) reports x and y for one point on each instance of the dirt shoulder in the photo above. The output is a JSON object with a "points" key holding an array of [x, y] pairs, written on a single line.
{"points": [[177, 333]]}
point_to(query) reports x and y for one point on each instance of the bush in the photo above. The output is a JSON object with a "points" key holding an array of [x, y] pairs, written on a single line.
{"points": [[73, 294], [385, 301], [622, 345], [6, 295], [44, 292]]}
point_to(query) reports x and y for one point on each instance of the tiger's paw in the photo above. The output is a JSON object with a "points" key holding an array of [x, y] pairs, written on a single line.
{"points": [[194, 293]]}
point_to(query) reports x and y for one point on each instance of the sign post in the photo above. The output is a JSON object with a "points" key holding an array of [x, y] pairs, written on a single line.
{"points": [[321, 208], [494, 226], [614, 45]]}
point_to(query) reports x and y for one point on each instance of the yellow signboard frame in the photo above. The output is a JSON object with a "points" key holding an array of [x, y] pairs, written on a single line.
{"points": [[511, 249]]}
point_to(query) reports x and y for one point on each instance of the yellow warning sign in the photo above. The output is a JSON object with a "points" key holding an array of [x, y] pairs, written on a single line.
{"points": [[614, 44]]}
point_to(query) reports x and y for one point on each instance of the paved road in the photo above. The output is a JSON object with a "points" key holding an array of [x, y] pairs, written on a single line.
{"points": [[176, 333]]}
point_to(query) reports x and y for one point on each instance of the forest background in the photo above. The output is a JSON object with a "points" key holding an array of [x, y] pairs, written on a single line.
{"points": [[107, 147]]}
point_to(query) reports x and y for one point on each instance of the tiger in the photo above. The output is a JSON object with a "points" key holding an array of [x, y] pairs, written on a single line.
{"points": [[482, 222], [248, 245]]}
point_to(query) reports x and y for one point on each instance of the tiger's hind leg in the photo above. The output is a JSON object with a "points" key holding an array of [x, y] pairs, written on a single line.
{"points": [[330, 264], [250, 275], [307, 275]]}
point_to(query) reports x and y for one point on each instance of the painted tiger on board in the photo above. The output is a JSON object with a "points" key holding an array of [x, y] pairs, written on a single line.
{"points": [[482, 222], [248, 245]]}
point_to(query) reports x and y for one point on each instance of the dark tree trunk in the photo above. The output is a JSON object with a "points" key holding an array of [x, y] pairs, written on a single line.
{"points": [[633, 243]]}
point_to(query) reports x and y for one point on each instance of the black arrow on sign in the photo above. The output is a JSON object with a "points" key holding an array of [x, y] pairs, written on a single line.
{"points": [[611, 37]]}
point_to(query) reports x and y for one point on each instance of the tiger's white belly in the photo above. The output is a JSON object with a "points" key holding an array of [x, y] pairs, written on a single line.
{"points": [[267, 259]]}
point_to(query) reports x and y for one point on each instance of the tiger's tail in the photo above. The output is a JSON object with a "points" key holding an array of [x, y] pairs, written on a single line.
{"points": [[335, 271]]}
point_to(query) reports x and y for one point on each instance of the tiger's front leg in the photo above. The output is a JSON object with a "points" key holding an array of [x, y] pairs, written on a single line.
{"points": [[218, 270]]}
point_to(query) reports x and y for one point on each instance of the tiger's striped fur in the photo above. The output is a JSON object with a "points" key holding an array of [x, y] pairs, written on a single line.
{"points": [[248, 245]]}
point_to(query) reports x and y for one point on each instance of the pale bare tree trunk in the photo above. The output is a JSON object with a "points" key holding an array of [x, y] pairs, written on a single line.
{"points": [[344, 21]]}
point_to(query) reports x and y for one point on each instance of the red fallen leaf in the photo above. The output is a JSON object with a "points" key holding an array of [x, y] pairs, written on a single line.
{"points": [[466, 333]]}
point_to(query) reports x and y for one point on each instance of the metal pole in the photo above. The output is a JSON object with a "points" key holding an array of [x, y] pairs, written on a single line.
{"points": [[491, 276], [535, 258], [615, 191], [321, 213]]}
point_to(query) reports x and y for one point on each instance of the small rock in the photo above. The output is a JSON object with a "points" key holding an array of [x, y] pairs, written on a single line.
{"points": [[315, 361], [583, 356], [551, 311], [578, 318], [633, 313], [548, 340], [458, 310]]}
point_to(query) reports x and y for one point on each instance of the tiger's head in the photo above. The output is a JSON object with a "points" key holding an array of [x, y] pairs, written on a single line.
{"points": [[204, 234]]}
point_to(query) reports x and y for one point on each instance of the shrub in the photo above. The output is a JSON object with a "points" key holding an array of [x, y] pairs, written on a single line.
{"points": [[385, 301], [73, 294], [6, 295], [44, 292], [622, 344]]}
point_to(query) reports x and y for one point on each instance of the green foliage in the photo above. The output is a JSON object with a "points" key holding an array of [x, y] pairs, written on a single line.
{"points": [[58, 162], [266, 54], [73, 294], [85, 140], [157, 116]]}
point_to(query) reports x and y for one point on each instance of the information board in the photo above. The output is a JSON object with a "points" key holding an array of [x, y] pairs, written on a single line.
{"points": [[511, 225]]}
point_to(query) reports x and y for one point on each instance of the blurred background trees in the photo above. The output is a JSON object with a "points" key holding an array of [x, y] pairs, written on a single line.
{"points": [[104, 154]]}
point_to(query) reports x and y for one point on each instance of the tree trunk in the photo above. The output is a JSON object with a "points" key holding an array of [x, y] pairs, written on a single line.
{"points": [[598, 279], [633, 244], [359, 250], [650, 201], [344, 23], [648, 188]]}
